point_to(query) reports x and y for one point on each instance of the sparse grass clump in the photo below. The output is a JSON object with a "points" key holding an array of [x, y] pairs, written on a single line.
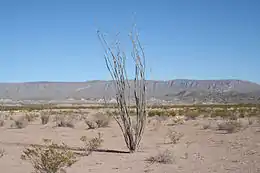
{"points": [[45, 119], [230, 126], [51, 158], [92, 144], [165, 157]]}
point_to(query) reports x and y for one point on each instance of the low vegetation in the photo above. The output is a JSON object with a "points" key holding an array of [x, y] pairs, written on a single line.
{"points": [[45, 118], [51, 158], [92, 144], [172, 137], [230, 126], [2, 152], [65, 121], [20, 123], [165, 157]]}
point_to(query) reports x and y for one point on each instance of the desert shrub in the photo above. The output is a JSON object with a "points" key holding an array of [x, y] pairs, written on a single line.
{"points": [[30, 117], [102, 120], [230, 126], [92, 144], [192, 115], [161, 112], [51, 158], [63, 121], [45, 118], [206, 126], [2, 152], [165, 157], [20, 123], [2, 123], [223, 113], [173, 136], [91, 124]]}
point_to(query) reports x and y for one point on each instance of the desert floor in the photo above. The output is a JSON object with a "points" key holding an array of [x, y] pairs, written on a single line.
{"points": [[199, 150]]}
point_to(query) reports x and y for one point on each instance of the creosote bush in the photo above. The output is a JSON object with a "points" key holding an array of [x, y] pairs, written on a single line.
{"points": [[92, 144], [50, 158], [165, 157]]}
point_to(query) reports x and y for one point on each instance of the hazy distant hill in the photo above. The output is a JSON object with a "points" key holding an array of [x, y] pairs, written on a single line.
{"points": [[176, 91]]}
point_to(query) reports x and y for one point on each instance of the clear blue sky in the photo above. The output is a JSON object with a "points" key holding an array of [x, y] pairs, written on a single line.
{"points": [[55, 40]]}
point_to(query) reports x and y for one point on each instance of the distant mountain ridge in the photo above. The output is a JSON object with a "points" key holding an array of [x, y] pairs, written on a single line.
{"points": [[174, 91]]}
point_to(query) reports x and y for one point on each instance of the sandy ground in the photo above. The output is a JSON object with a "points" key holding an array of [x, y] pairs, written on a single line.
{"points": [[198, 151]]}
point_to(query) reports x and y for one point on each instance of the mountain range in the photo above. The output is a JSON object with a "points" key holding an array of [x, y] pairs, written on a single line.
{"points": [[179, 91]]}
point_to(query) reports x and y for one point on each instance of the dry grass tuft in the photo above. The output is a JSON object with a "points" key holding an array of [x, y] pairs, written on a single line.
{"points": [[165, 157]]}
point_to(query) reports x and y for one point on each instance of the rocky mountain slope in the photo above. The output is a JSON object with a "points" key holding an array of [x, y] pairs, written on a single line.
{"points": [[175, 91]]}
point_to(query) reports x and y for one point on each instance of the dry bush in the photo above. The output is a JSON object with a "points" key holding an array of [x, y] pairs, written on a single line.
{"points": [[206, 126], [2, 123], [102, 120], [30, 117], [173, 137], [92, 144], [20, 123], [63, 121], [45, 118], [52, 158], [161, 112], [91, 124], [223, 113], [192, 115], [230, 126], [2, 152], [165, 157]]}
